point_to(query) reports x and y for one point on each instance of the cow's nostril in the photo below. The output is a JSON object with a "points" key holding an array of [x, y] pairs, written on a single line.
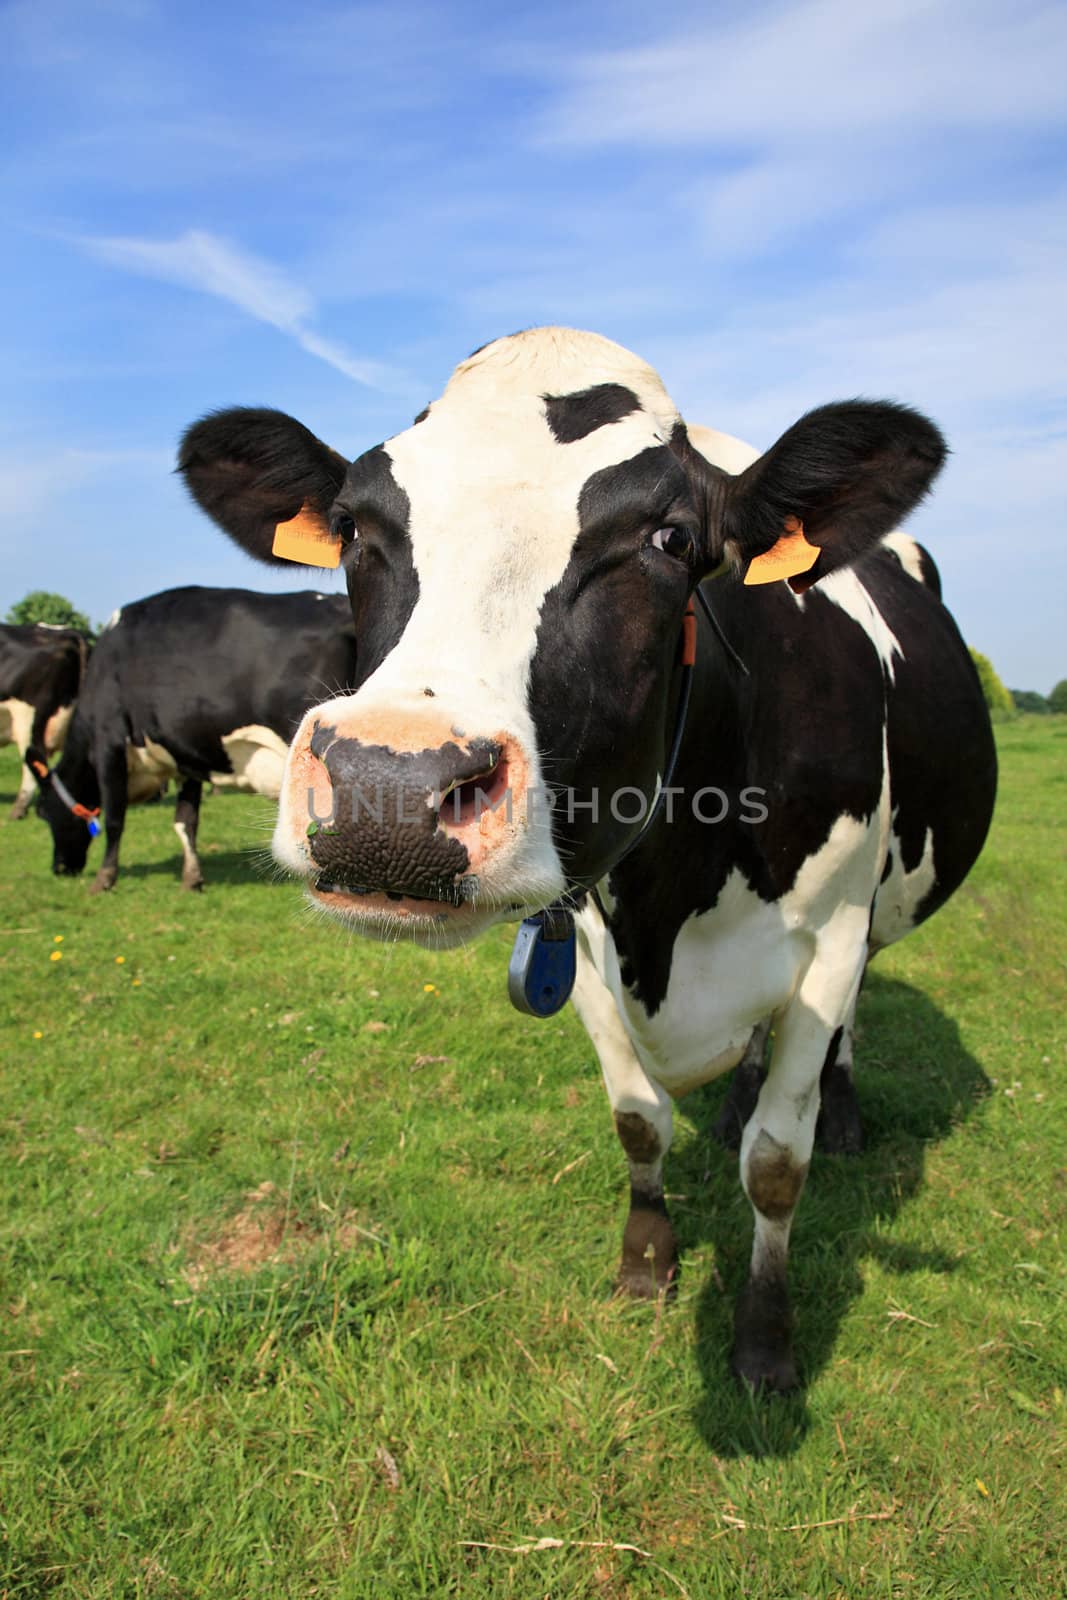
{"points": [[466, 799]]}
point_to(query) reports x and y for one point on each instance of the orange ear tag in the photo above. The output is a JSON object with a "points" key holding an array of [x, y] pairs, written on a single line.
{"points": [[791, 556], [303, 539]]}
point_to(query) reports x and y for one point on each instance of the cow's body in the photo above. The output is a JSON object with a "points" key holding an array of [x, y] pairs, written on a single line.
{"points": [[195, 685], [521, 560], [40, 671]]}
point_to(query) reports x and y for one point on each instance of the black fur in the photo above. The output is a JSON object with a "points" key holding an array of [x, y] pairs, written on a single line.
{"points": [[850, 472], [574, 416], [250, 468], [183, 668], [383, 585]]}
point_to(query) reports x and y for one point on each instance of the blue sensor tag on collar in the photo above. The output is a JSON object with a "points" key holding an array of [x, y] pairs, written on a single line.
{"points": [[542, 966], [93, 826]]}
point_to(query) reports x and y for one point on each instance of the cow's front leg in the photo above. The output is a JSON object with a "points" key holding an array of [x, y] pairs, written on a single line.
{"points": [[114, 795], [186, 819], [775, 1155], [644, 1123]]}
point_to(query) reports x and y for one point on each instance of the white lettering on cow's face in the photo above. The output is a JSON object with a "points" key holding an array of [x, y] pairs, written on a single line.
{"points": [[493, 500]]}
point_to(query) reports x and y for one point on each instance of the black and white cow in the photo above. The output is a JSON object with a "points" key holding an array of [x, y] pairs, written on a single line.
{"points": [[196, 685], [520, 563], [40, 672]]}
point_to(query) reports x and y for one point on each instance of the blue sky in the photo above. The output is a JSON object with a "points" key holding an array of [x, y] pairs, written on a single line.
{"points": [[323, 207]]}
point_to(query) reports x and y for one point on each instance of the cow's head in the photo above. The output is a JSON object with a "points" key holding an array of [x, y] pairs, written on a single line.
{"points": [[519, 562], [68, 819]]}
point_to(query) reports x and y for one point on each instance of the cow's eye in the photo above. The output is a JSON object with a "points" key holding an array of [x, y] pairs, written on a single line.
{"points": [[343, 527], [676, 542]]}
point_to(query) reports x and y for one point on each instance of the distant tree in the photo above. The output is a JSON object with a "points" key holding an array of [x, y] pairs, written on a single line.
{"points": [[997, 697], [42, 606], [1029, 700], [1057, 700]]}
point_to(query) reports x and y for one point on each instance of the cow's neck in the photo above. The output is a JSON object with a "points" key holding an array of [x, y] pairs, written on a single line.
{"points": [[679, 868], [75, 769]]}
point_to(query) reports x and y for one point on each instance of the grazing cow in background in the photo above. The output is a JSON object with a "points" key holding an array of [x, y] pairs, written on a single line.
{"points": [[198, 685], [521, 563], [41, 669]]}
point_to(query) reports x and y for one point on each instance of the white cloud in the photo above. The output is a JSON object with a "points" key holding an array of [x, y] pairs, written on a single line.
{"points": [[204, 262], [824, 68], [799, 114]]}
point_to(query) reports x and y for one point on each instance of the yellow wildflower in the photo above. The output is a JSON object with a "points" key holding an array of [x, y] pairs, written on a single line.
{"points": [[57, 955], [57, 938], [429, 988], [120, 961], [37, 1034]]}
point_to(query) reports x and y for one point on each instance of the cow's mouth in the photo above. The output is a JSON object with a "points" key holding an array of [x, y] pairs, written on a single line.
{"points": [[347, 895], [392, 915]]}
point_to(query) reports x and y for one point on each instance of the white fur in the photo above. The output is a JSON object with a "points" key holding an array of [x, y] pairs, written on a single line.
{"points": [[16, 727], [906, 551], [845, 590], [257, 756], [493, 521]]}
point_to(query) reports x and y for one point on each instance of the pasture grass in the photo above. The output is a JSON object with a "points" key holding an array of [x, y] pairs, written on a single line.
{"points": [[307, 1248]]}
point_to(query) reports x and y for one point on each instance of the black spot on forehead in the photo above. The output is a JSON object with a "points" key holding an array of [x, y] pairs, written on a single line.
{"points": [[573, 416]]}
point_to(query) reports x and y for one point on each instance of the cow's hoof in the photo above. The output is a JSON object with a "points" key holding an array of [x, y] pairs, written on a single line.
{"points": [[103, 882], [763, 1338], [18, 813], [193, 884], [649, 1265], [644, 1281], [766, 1371]]}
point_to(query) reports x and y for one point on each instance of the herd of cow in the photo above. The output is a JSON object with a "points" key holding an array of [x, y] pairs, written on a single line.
{"points": [[519, 713]]}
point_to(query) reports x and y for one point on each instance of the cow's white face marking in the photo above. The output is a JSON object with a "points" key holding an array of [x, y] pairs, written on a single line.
{"points": [[494, 516], [494, 507]]}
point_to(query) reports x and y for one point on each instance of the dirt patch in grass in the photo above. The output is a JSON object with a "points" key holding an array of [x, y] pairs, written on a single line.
{"points": [[264, 1232]]}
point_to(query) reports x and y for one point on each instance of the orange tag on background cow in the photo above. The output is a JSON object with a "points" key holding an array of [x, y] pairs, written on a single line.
{"points": [[791, 556], [304, 539]]}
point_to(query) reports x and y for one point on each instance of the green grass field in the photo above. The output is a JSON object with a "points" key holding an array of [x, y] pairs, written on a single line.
{"points": [[307, 1248]]}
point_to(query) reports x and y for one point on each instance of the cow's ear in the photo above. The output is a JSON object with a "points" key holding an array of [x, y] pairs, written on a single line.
{"points": [[267, 481], [835, 484]]}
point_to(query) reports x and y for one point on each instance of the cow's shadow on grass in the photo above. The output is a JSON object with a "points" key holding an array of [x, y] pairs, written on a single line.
{"points": [[219, 868], [915, 1082]]}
